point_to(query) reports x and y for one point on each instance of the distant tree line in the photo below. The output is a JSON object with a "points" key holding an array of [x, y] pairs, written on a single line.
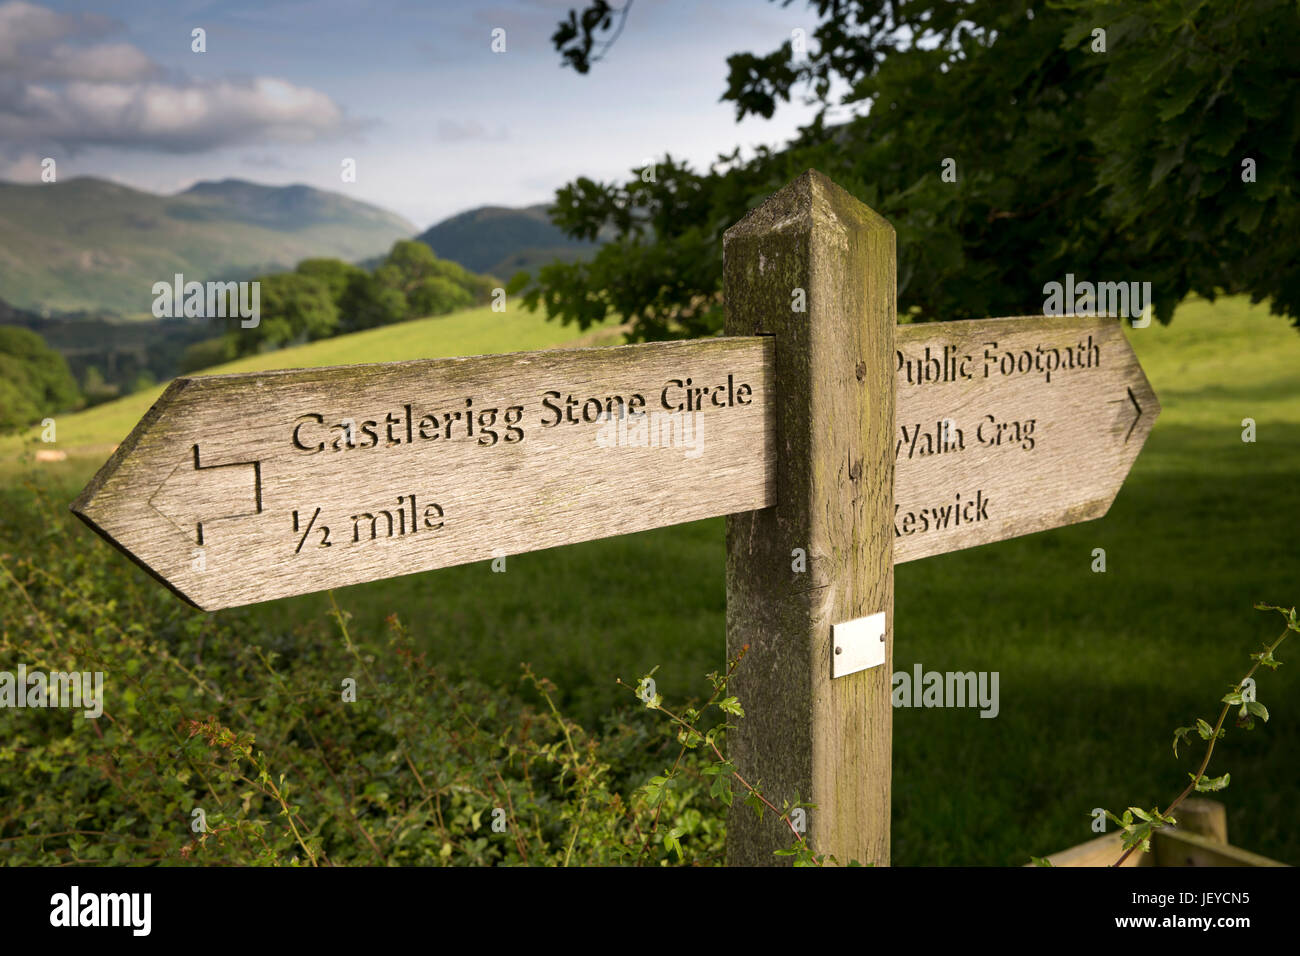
{"points": [[319, 299], [107, 355], [34, 380], [322, 298]]}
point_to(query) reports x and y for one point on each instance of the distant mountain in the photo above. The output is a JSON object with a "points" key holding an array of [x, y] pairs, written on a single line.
{"points": [[499, 241], [12, 316], [91, 244]]}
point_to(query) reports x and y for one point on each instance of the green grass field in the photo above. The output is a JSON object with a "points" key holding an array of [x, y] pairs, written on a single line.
{"points": [[1096, 670]]}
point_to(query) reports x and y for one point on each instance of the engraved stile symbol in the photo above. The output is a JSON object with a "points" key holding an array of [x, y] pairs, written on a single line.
{"points": [[185, 503]]}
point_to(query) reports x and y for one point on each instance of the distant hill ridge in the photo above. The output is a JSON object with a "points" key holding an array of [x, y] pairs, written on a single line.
{"points": [[499, 241], [290, 207], [96, 245], [87, 243]]}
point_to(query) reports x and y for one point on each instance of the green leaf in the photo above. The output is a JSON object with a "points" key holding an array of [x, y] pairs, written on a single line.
{"points": [[1258, 709], [1075, 33], [1187, 87], [1248, 216], [1206, 784], [1266, 659], [672, 844], [1166, 160], [731, 705], [689, 738], [1139, 835]]}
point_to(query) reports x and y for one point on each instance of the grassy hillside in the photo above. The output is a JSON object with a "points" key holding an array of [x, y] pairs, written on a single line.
{"points": [[1096, 670], [91, 244], [88, 435]]}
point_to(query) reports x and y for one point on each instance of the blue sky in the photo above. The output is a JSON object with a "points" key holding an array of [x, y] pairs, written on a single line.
{"points": [[436, 121]]}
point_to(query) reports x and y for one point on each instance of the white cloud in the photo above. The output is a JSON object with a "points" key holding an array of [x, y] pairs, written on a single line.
{"points": [[25, 168], [23, 24], [60, 86], [102, 62]]}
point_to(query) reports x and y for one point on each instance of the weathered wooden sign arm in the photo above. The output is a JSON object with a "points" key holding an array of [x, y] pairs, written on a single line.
{"points": [[837, 443], [235, 489], [1011, 426]]}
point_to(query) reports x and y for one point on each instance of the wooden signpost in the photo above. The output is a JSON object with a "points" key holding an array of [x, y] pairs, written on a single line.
{"points": [[837, 443]]}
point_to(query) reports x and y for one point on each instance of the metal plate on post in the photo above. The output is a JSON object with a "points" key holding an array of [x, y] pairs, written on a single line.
{"points": [[858, 644]]}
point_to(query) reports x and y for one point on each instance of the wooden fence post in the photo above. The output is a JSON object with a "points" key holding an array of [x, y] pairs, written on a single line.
{"points": [[815, 268], [1205, 817]]}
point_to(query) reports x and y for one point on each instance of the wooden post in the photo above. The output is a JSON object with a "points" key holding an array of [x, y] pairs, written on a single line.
{"points": [[1204, 817], [815, 269]]}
